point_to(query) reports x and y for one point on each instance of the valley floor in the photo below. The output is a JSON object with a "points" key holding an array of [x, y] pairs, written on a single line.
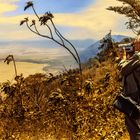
{"points": [[26, 68]]}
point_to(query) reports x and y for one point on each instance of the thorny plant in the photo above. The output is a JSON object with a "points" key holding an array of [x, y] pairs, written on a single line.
{"points": [[9, 59], [47, 21]]}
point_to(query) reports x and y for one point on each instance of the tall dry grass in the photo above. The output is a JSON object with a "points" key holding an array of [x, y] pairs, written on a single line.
{"points": [[46, 106]]}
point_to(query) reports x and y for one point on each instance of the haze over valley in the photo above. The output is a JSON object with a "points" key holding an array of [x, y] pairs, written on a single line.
{"points": [[43, 56], [37, 56]]}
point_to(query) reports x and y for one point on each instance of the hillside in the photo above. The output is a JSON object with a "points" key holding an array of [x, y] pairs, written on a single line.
{"points": [[55, 107], [70, 105]]}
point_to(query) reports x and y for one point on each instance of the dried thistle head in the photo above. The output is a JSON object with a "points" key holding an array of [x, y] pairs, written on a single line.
{"points": [[8, 59], [28, 5], [23, 21], [33, 23], [43, 20], [47, 16]]}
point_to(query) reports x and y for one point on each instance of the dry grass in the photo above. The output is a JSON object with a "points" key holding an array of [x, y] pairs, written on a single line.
{"points": [[40, 106]]}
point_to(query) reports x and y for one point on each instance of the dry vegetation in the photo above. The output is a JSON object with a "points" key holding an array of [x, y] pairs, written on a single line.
{"points": [[71, 106], [46, 106]]}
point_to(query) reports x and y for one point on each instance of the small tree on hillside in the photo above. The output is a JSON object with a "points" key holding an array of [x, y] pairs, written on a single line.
{"points": [[54, 34], [106, 48], [131, 9]]}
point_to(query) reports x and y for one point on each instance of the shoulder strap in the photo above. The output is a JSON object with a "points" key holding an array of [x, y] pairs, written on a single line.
{"points": [[130, 66], [137, 82], [138, 86]]}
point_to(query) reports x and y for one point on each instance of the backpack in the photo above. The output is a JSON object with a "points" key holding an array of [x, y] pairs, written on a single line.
{"points": [[131, 76], [128, 101]]}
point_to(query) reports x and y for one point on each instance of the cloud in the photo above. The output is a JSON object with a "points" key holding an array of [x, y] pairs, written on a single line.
{"points": [[7, 6], [8, 1], [15, 32], [92, 22]]}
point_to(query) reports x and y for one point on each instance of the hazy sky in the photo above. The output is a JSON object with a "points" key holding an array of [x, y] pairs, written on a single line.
{"points": [[76, 19]]}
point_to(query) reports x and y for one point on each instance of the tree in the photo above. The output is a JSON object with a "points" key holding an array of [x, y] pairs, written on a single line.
{"points": [[131, 9], [47, 21], [106, 48]]}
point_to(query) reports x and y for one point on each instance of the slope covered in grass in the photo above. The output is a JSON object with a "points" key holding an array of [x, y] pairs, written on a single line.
{"points": [[46, 106]]}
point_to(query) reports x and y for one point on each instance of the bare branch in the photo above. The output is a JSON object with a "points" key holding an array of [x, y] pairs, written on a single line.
{"points": [[39, 19], [37, 32], [58, 34], [44, 19], [62, 37]]}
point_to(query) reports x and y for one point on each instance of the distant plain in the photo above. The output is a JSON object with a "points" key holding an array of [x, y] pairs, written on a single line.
{"points": [[7, 71]]}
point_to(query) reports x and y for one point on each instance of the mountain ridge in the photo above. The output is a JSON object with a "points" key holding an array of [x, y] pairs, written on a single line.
{"points": [[92, 50]]}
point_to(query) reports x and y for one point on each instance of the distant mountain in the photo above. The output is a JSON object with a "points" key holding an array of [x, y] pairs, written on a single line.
{"points": [[119, 38], [92, 50]]}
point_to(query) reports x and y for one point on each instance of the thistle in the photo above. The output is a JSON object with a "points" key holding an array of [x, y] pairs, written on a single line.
{"points": [[23, 21], [28, 5], [9, 59]]}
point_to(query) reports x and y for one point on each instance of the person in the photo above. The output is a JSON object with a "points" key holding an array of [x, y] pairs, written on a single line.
{"points": [[130, 71]]}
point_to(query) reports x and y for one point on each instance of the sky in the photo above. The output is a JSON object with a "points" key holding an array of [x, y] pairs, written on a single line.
{"points": [[75, 19]]}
